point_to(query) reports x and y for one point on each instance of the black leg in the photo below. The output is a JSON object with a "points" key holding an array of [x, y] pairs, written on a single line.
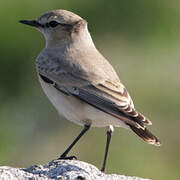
{"points": [[63, 156], [109, 133]]}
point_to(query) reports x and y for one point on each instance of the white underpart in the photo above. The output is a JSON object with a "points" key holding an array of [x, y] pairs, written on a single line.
{"points": [[77, 111]]}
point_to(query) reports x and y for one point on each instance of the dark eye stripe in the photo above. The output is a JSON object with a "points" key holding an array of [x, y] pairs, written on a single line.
{"points": [[55, 23]]}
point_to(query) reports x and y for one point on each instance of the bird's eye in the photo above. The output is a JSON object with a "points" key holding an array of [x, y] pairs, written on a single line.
{"points": [[53, 23]]}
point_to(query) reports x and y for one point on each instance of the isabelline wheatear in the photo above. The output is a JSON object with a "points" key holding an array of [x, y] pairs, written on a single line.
{"points": [[80, 82]]}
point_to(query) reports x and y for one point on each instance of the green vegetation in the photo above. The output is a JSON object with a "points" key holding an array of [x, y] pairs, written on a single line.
{"points": [[141, 39]]}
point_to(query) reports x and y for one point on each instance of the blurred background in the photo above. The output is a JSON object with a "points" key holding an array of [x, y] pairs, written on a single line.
{"points": [[141, 39]]}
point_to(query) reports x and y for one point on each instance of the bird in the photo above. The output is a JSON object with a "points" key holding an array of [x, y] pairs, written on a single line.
{"points": [[80, 83]]}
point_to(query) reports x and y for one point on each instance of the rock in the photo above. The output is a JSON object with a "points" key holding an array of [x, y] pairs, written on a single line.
{"points": [[60, 170]]}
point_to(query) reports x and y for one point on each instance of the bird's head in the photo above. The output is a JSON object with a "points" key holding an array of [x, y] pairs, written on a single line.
{"points": [[59, 26]]}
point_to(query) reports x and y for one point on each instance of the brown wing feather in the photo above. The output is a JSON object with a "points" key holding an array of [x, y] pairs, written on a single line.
{"points": [[123, 100], [146, 135]]}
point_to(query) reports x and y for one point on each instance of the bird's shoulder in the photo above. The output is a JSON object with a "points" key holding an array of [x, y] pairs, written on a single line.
{"points": [[81, 63]]}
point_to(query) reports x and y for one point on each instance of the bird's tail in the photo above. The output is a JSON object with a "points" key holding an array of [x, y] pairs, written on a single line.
{"points": [[146, 135]]}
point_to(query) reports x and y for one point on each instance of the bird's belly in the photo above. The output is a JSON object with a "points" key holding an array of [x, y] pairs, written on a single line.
{"points": [[78, 111]]}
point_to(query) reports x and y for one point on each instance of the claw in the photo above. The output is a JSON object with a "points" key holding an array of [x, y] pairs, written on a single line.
{"points": [[67, 158]]}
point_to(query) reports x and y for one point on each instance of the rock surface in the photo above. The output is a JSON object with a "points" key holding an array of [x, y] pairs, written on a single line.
{"points": [[60, 170]]}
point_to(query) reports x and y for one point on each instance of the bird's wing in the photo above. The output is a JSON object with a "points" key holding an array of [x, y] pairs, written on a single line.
{"points": [[97, 84], [94, 82], [113, 99], [118, 105], [107, 97]]}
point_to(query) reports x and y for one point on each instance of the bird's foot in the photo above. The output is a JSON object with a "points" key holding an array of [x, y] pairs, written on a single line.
{"points": [[67, 158]]}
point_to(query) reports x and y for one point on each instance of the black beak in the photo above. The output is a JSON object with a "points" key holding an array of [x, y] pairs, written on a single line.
{"points": [[33, 23]]}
